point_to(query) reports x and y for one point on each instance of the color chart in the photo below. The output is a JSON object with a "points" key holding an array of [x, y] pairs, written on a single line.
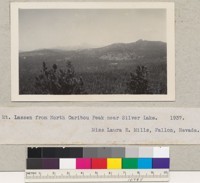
{"points": [[99, 162]]}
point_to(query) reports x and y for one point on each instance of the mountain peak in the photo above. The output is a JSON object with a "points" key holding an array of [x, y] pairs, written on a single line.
{"points": [[139, 40]]}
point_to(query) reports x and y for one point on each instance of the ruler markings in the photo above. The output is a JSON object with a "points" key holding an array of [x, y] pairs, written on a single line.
{"points": [[47, 176]]}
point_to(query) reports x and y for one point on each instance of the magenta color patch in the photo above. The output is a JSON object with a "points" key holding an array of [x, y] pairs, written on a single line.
{"points": [[83, 163]]}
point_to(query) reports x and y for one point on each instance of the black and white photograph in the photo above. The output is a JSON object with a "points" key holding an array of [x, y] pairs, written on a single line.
{"points": [[93, 52]]}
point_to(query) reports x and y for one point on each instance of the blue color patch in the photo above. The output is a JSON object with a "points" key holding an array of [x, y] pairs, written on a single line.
{"points": [[144, 163]]}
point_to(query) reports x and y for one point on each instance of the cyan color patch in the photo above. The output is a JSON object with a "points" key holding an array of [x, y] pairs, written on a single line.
{"points": [[144, 163]]}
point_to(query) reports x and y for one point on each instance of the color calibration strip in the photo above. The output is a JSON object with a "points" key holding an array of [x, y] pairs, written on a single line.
{"points": [[97, 164], [87, 158]]}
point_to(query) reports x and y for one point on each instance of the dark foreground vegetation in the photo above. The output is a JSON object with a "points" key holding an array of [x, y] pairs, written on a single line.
{"points": [[64, 80]]}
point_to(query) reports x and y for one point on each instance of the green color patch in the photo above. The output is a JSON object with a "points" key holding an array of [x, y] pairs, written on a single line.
{"points": [[129, 163]]}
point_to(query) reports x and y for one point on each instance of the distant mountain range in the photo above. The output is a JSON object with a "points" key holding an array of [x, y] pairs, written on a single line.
{"points": [[114, 52]]}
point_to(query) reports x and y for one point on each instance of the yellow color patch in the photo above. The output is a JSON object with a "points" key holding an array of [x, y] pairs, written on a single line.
{"points": [[114, 163]]}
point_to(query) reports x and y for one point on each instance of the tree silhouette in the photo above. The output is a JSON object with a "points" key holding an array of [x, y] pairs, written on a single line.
{"points": [[58, 81], [138, 83]]}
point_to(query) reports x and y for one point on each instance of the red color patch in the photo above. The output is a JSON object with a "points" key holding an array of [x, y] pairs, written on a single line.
{"points": [[99, 163]]}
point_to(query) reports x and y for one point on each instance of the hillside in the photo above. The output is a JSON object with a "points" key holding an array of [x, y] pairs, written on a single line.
{"points": [[104, 70], [114, 52]]}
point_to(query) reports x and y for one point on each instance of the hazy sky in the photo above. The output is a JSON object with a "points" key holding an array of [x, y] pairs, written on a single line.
{"points": [[93, 28]]}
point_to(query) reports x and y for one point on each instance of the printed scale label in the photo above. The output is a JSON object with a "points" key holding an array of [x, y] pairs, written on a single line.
{"points": [[50, 176]]}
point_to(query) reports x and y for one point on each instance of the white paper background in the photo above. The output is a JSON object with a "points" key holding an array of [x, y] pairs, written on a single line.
{"points": [[187, 30]]}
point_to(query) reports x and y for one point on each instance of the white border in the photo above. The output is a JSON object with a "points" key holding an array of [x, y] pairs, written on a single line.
{"points": [[91, 5]]}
